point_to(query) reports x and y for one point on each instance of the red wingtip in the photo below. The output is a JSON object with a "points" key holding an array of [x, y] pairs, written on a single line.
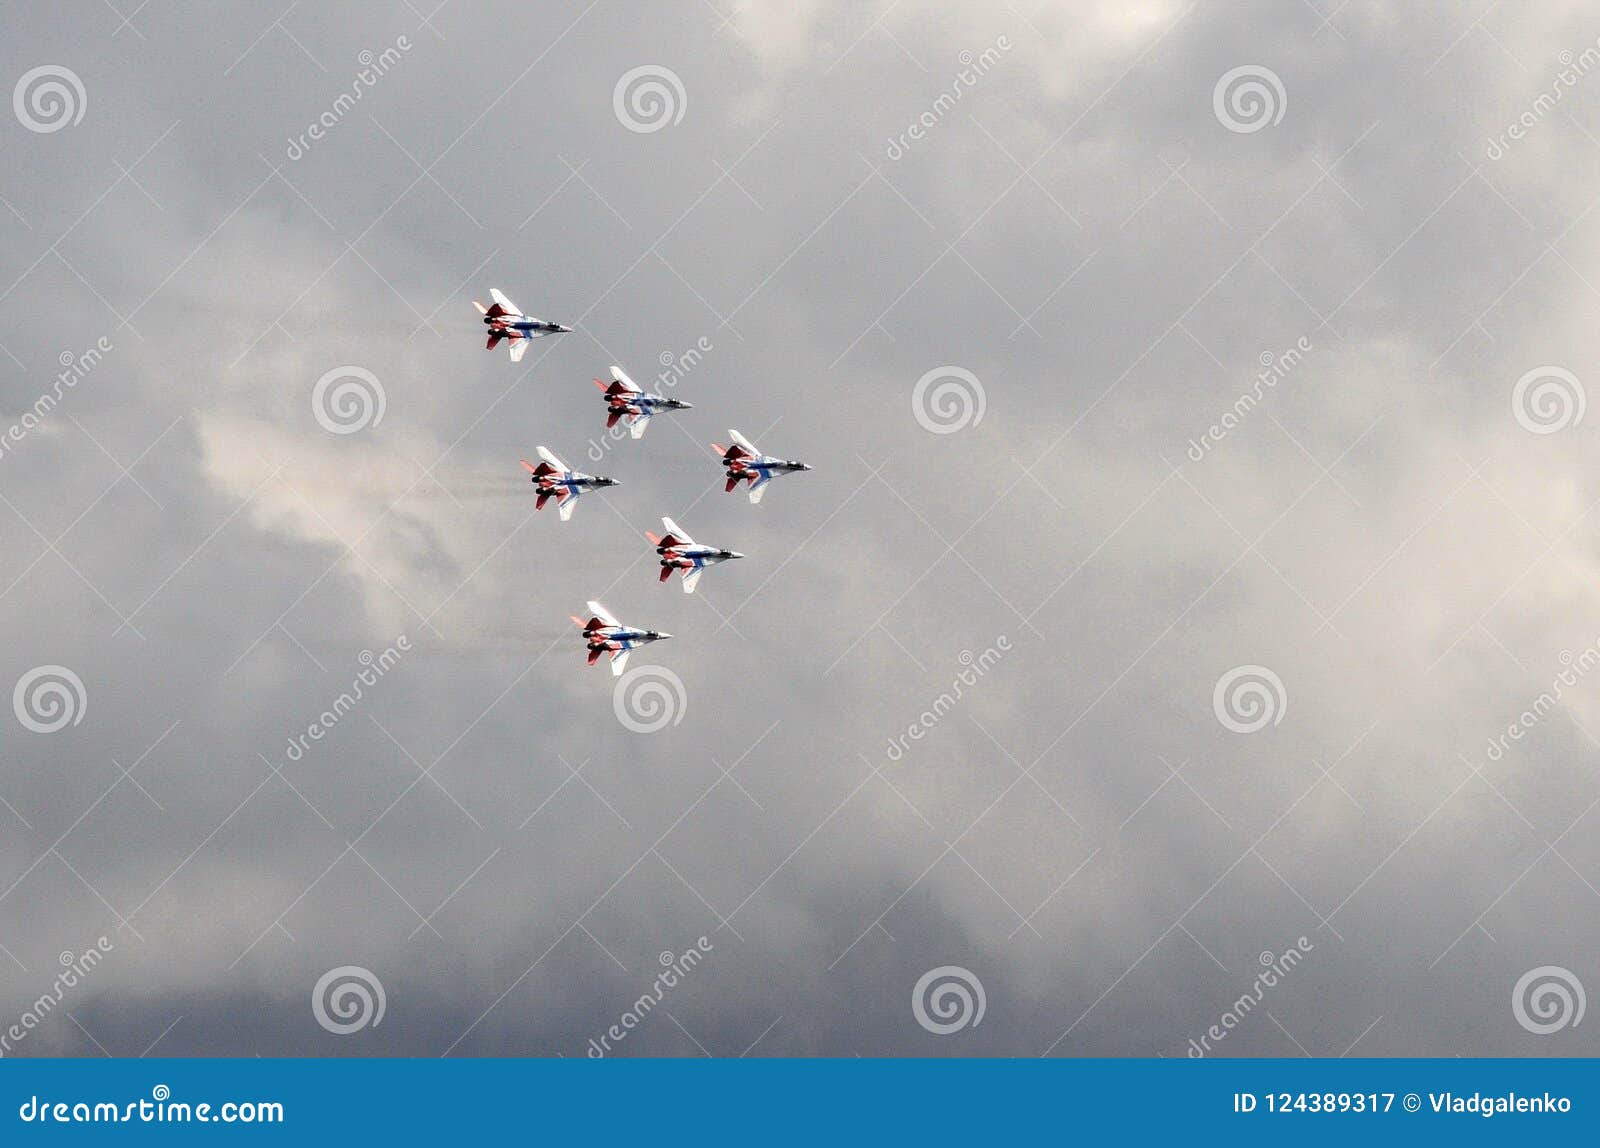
{"points": [[719, 448], [600, 384], [529, 467], [654, 541], [577, 621]]}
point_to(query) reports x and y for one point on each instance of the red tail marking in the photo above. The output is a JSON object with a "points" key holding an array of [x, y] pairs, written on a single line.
{"points": [[666, 572], [611, 419], [594, 656], [494, 341], [496, 311]]}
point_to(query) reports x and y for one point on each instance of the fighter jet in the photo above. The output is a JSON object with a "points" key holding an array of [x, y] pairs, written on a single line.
{"points": [[602, 633], [680, 552], [556, 480], [744, 461], [624, 400], [506, 322]]}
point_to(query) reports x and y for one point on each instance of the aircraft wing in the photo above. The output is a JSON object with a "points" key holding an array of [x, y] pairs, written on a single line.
{"points": [[506, 304], [637, 423], [690, 577], [742, 442], [759, 486], [568, 503], [603, 614], [553, 460], [677, 532], [619, 660], [518, 348], [621, 376]]}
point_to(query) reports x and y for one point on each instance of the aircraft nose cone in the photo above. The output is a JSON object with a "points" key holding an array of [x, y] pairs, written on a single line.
{"points": [[734, 554], [563, 330], [663, 635], [686, 406]]}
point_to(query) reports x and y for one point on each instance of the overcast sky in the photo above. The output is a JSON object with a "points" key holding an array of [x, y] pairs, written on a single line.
{"points": [[1249, 656]]}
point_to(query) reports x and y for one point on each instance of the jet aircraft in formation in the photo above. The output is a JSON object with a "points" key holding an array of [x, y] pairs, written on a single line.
{"points": [[603, 634], [505, 321], [626, 401], [680, 552], [555, 479], [742, 462]]}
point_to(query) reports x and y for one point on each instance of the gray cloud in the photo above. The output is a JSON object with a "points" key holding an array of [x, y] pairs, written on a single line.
{"points": [[1081, 233]]}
